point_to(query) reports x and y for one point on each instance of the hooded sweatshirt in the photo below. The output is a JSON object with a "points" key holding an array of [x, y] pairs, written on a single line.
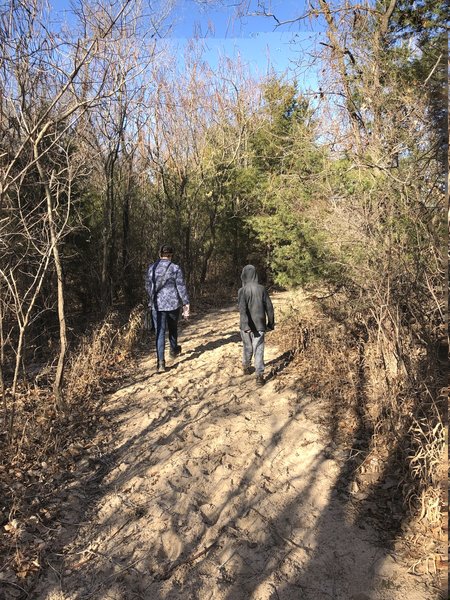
{"points": [[254, 303]]}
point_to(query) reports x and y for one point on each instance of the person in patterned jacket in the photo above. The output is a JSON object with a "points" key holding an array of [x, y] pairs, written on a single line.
{"points": [[167, 293]]}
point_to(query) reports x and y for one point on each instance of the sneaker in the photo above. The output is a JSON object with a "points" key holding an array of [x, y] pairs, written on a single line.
{"points": [[259, 380], [161, 367], [176, 352], [246, 370]]}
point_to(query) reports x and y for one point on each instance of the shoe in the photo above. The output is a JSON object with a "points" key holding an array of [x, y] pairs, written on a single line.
{"points": [[259, 380], [161, 368], [175, 353], [246, 370]]}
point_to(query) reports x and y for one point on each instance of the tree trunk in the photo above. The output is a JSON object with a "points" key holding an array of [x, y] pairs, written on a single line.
{"points": [[338, 53], [126, 275], [211, 246], [19, 351], [187, 254], [205, 263], [125, 243], [58, 383], [59, 377], [107, 291], [2, 362]]}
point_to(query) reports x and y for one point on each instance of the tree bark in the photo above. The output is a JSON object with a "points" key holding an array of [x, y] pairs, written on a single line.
{"points": [[2, 362], [108, 233], [339, 54], [59, 377]]}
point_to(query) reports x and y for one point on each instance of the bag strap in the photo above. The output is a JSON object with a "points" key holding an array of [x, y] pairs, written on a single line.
{"points": [[162, 282]]}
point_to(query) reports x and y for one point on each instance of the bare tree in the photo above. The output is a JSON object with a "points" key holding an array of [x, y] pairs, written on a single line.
{"points": [[195, 137], [49, 81], [113, 135]]}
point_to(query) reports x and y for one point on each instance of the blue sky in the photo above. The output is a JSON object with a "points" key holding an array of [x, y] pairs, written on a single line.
{"points": [[222, 16], [256, 40]]}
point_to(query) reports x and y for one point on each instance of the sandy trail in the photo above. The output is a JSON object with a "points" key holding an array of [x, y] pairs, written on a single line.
{"points": [[213, 489]]}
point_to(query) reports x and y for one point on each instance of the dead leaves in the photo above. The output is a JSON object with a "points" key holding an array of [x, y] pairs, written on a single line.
{"points": [[28, 547], [35, 475]]}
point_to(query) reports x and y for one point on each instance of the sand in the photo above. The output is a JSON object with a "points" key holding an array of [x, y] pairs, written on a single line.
{"points": [[210, 488]]}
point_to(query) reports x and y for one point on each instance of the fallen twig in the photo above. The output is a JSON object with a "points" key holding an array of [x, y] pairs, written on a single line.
{"points": [[5, 581], [168, 572], [272, 527]]}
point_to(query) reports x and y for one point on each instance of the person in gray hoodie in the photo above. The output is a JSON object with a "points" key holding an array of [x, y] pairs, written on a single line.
{"points": [[256, 317]]}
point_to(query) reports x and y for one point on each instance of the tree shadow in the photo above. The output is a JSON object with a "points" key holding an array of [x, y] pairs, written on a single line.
{"points": [[391, 501], [279, 364], [212, 345], [388, 500], [267, 533], [94, 485], [347, 559]]}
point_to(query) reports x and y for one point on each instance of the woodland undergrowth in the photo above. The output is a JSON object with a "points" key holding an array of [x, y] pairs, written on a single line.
{"points": [[383, 414], [49, 443]]}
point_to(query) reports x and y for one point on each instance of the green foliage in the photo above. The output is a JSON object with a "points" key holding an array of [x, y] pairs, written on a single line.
{"points": [[283, 115], [297, 249], [286, 196], [419, 17]]}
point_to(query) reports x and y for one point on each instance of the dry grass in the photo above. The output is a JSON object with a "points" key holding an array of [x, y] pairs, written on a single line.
{"points": [[385, 408], [47, 441], [325, 355], [98, 354]]}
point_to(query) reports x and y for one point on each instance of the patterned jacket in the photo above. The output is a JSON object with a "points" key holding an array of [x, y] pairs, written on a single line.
{"points": [[167, 279]]}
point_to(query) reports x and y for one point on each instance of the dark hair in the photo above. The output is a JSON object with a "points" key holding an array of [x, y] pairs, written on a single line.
{"points": [[165, 249]]}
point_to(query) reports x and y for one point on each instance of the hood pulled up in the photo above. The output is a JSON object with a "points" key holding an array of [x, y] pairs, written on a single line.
{"points": [[249, 275]]}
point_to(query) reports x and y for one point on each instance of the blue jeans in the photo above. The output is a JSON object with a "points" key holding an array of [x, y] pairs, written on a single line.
{"points": [[253, 346], [162, 320]]}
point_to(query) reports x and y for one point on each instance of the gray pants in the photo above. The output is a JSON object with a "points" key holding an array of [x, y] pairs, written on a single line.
{"points": [[253, 346]]}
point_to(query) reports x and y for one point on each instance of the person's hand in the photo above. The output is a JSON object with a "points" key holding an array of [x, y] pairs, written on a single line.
{"points": [[185, 311]]}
